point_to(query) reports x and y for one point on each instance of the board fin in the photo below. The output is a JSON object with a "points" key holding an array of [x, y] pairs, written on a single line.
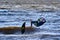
{"points": [[23, 28]]}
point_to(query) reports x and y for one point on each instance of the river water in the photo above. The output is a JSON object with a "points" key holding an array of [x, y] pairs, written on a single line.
{"points": [[48, 31]]}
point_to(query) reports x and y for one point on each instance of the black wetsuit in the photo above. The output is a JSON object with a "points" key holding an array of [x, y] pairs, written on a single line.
{"points": [[36, 23]]}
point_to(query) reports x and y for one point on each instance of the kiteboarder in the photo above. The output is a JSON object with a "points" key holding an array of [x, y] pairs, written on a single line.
{"points": [[39, 22], [12, 30]]}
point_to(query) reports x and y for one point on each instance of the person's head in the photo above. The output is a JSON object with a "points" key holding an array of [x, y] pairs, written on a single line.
{"points": [[42, 20]]}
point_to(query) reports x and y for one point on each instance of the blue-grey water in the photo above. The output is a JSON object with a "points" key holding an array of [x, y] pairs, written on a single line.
{"points": [[48, 31]]}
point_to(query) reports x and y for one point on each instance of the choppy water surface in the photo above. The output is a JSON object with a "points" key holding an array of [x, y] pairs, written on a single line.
{"points": [[49, 31]]}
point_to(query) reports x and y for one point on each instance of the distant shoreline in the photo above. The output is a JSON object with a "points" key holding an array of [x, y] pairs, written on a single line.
{"points": [[28, 6]]}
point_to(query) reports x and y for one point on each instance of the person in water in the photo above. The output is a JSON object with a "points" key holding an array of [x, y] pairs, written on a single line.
{"points": [[39, 22]]}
